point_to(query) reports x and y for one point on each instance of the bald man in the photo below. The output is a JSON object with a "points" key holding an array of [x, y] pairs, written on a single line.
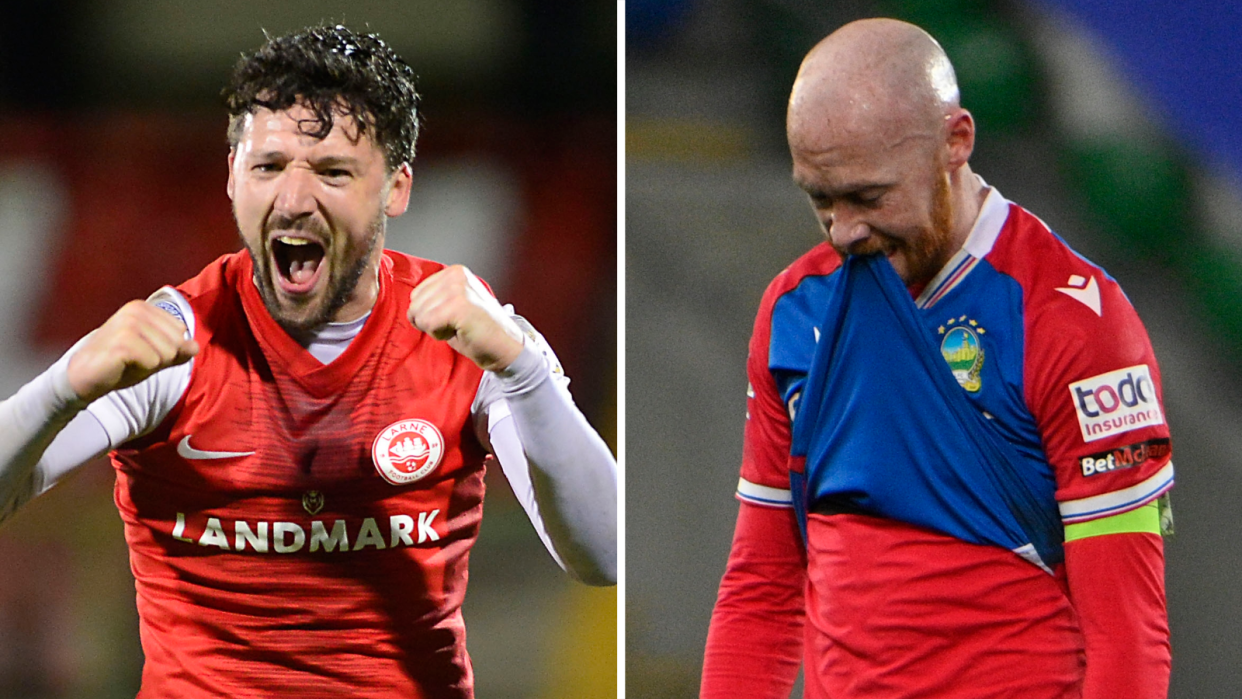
{"points": [[956, 458]]}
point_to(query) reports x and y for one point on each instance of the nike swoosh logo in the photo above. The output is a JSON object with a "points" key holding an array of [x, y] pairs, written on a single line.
{"points": [[185, 451], [1088, 295]]}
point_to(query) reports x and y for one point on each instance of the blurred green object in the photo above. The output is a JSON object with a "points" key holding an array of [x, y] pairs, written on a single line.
{"points": [[995, 73], [1215, 280], [995, 69], [1139, 188]]}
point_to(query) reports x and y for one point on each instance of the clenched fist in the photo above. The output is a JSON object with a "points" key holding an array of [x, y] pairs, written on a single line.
{"points": [[453, 305], [137, 341]]}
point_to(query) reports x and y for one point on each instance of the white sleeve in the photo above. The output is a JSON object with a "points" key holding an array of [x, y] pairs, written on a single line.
{"points": [[46, 431], [29, 421], [135, 411], [561, 470]]}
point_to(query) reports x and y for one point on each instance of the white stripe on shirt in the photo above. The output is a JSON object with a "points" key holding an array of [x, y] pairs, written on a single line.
{"points": [[1118, 501], [763, 495]]}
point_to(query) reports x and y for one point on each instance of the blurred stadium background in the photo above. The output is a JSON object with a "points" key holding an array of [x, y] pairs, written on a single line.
{"points": [[112, 173], [1114, 122]]}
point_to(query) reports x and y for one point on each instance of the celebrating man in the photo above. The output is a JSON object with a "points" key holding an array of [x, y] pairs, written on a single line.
{"points": [[299, 432], [989, 528]]}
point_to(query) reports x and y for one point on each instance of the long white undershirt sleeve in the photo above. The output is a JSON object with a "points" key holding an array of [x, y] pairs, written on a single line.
{"points": [[34, 417], [559, 467]]}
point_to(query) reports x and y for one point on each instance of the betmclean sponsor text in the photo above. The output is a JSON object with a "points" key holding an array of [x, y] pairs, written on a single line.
{"points": [[1124, 457]]}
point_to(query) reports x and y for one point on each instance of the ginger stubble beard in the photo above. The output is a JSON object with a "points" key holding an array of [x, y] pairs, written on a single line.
{"points": [[925, 254]]}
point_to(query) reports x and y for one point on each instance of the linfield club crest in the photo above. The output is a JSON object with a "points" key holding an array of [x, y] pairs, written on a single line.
{"points": [[960, 347], [407, 451]]}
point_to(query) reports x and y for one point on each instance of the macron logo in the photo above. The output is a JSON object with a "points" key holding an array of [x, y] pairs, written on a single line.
{"points": [[185, 451], [1084, 291]]}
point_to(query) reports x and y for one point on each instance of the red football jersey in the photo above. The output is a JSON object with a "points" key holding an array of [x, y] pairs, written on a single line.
{"points": [[300, 529]]}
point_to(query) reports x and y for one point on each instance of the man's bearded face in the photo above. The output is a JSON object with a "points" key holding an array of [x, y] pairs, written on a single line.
{"points": [[311, 212]]}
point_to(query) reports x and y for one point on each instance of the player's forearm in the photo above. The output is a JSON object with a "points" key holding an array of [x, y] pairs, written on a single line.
{"points": [[1117, 586], [29, 421], [754, 645], [571, 468]]}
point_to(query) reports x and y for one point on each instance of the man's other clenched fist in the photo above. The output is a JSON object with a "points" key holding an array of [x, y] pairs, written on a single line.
{"points": [[453, 305]]}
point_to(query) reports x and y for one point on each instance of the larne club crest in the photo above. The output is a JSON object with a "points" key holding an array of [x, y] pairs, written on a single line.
{"points": [[407, 451]]}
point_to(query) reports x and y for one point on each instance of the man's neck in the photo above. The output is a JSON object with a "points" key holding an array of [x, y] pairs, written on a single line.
{"points": [[969, 193], [363, 299]]}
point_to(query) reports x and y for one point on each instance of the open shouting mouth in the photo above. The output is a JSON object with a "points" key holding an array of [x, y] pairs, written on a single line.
{"points": [[298, 261]]}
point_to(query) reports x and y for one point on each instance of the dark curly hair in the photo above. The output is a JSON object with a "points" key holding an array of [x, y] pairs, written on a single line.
{"points": [[333, 72]]}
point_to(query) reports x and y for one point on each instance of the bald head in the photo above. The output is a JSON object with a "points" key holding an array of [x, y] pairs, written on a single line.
{"points": [[872, 79], [881, 146]]}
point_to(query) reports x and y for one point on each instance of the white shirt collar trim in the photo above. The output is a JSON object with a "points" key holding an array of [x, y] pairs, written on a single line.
{"points": [[988, 225]]}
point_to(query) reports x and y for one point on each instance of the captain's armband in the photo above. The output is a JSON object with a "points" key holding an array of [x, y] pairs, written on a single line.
{"points": [[1147, 519]]}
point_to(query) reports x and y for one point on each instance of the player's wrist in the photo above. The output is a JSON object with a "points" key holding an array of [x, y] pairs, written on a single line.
{"points": [[527, 370], [72, 381], [508, 353], [76, 381]]}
